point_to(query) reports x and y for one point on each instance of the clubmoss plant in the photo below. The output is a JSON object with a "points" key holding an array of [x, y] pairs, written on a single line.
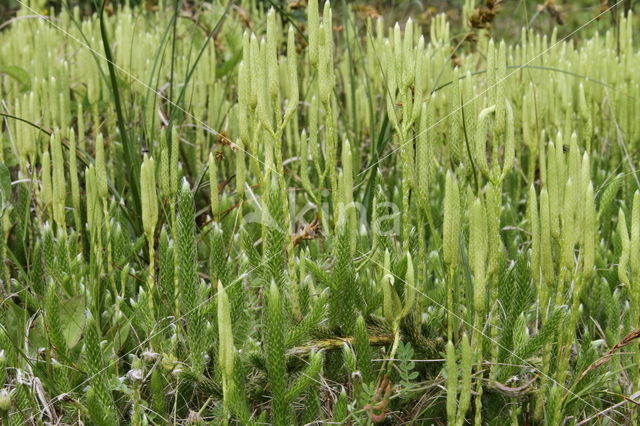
{"points": [[293, 216]]}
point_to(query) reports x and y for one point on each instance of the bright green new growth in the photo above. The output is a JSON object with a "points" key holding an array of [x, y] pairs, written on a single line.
{"points": [[451, 222], [58, 181], [478, 247], [458, 406], [101, 172], [149, 205], [283, 216], [225, 340]]}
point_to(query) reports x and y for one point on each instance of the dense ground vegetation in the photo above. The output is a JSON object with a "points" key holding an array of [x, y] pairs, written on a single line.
{"points": [[219, 213]]}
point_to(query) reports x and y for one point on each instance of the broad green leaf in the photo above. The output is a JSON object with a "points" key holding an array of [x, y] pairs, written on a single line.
{"points": [[15, 318], [37, 336], [19, 74], [119, 334], [73, 319]]}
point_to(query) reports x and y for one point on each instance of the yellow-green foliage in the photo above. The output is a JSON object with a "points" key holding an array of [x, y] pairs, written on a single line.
{"points": [[272, 216]]}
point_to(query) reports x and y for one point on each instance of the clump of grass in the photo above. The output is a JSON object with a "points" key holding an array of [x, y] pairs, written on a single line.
{"points": [[237, 218]]}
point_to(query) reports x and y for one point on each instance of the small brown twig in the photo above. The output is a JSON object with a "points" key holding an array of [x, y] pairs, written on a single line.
{"points": [[335, 343], [631, 398], [628, 339], [513, 392]]}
